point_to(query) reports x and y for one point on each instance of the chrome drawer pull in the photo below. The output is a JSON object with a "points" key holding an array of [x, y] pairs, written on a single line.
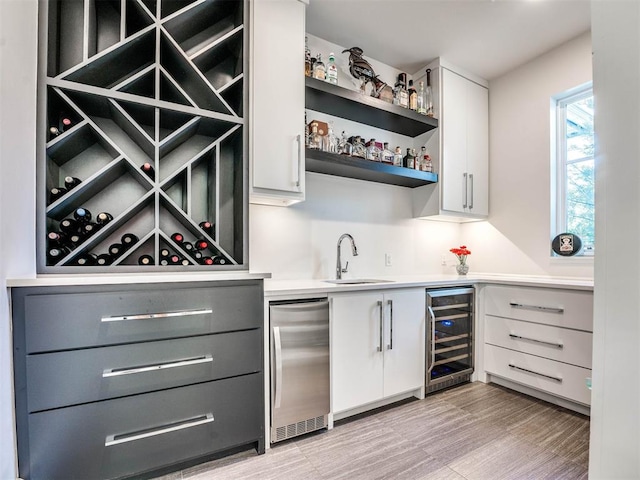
{"points": [[379, 349], [557, 379], [151, 316], [172, 427], [544, 342], [537, 307], [116, 372], [278, 370]]}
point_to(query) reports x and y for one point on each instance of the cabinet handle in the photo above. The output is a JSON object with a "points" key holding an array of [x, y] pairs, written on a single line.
{"points": [[185, 362], [513, 336], [299, 162], [471, 181], [151, 316], [146, 433], [550, 377], [381, 318], [537, 307], [466, 193], [278, 370], [390, 303], [432, 340]]}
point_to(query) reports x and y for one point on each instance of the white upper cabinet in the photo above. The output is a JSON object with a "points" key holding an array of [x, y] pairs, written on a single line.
{"points": [[277, 102]]}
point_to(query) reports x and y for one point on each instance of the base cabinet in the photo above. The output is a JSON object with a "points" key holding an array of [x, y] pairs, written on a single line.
{"points": [[377, 346], [151, 383]]}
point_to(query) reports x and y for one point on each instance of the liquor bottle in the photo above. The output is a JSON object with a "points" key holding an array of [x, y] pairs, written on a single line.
{"points": [[421, 160], [397, 157], [207, 227], [104, 259], [86, 260], [359, 149], [115, 250], [319, 70], [177, 237], [409, 159], [128, 240], [413, 97], [54, 255], [220, 260], [416, 165], [344, 146], [307, 58], [400, 94], [145, 260], [55, 193], [69, 225], [82, 215], [88, 229], [71, 182], [422, 104], [103, 218], [387, 155], [373, 151], [148, 169], [428, 95], [332, 70], [428, 164], [315, 140], [201, 244]]}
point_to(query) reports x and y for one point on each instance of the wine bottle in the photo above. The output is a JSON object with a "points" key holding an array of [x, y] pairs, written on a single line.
{"points": [[185, 261], [128, 240], [75, 240], [64, 123], [88, 229], [103, 218], [201, 244], [148, 169], [164, 261], [55, 239], [145, 260], [71, 182], [82, 215], [220, 260], [54, 132], [207, 227], [174, 259], [54, 255], [69, 225], [86, 260], [115, 250], [165, 253], [188, 247], [55, 193], [207, 261], [197, 255], [104, 259], [177, 237]]}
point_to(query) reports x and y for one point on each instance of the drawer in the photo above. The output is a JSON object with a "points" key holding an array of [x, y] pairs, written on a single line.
{"points": [[567, 381], [65, 378], [125, 436], [61, 319], [563, 308], [555, 343]]}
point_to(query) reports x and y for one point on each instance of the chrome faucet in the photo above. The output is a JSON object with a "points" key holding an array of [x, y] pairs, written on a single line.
{"points": [[354, 251]]}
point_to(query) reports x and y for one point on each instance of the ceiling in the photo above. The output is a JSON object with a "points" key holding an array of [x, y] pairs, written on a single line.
{"points": [[485, 37]]}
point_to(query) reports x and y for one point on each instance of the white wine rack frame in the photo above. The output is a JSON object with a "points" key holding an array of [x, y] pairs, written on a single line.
{"points": [[144, 81]]}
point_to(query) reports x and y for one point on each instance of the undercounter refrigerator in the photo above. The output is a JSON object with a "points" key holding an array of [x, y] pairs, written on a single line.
{"points": [[450, 342], [300, 400]]}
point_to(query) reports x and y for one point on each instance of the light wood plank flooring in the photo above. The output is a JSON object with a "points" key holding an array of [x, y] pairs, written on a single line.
{"points": [[474, 431]]}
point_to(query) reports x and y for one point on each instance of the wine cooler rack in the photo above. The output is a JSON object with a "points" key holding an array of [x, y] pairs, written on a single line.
{"points": [[143, 102]]}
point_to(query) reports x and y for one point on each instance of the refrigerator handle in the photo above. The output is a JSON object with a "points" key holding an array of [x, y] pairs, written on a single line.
{"points": [[278, 370], [381, 321], [390, 303], [432, 340]]}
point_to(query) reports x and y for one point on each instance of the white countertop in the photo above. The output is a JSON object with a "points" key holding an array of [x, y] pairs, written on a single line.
{"points": [[275, 287]]}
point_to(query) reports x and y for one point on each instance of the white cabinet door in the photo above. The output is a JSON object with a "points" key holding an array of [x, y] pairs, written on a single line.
{"points": [[356, 356], [478, 148], [277, 101], [404, 340]]}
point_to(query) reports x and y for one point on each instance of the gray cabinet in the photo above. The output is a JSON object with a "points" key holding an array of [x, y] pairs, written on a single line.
{"points": [[179, 379]]}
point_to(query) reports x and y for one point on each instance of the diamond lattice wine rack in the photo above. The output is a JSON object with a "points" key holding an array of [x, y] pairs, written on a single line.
{"points": [[142, 101]]}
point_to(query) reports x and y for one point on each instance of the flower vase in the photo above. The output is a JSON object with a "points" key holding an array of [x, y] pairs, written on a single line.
{"points": [[462, 268]]}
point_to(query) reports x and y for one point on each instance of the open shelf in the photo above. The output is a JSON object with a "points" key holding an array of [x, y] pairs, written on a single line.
{"points": [[342, 102], [361, 169]]}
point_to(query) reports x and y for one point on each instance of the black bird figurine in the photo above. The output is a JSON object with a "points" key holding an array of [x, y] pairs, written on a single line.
{"points": [[359, 67]]}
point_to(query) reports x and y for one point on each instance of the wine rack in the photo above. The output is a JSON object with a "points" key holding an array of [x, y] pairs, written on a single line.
{"points": [[127, 83]]}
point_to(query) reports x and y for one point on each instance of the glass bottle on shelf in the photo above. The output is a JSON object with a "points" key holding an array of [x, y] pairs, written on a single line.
{"points": [[373, 151], [359, 149], [409, 159], [307, 132], [421, 100], [330, 141], [397, 157], [428, 95], [319, 70], [416, 161], [420, 160], [387, 155], [315, 140], [307, 58], [344, 146], [413, 97], [332, 70], [428, 165], [400, 94]]}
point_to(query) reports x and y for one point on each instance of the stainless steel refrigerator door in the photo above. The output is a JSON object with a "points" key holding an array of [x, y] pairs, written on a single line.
{"points": [[299, 362]]}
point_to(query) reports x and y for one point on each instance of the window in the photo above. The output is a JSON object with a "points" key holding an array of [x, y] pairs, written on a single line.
{"points": [[575, 182]]}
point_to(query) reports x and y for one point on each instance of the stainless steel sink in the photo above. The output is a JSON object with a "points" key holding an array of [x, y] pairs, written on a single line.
{"points": [[356, 281]]}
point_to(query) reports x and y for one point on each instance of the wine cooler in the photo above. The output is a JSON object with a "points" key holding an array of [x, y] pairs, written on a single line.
{"points": [[449, 352]]}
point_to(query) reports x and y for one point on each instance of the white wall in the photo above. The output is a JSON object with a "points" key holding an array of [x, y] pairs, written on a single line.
{"points": [[18, 43], [518, 235], [615, 402]]}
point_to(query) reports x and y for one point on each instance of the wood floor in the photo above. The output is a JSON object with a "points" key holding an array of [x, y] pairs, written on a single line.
{"points": [[474, 431]]}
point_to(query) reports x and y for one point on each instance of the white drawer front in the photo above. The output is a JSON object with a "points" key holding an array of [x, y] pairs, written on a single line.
{"points": [[563, 308], [555, 343], [549, 376]]}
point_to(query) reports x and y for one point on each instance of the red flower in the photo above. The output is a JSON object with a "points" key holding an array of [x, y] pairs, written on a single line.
{"points": [[461, 253]]}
